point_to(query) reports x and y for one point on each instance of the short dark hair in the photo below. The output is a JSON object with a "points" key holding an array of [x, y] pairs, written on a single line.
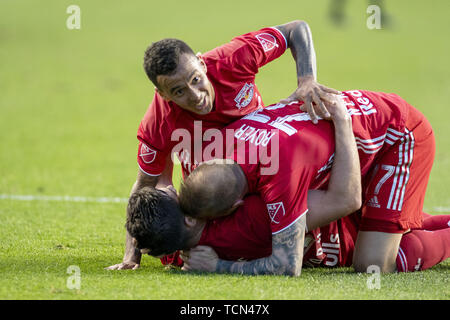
{"points": [[155, 220], [162, 57], [210, 190]]}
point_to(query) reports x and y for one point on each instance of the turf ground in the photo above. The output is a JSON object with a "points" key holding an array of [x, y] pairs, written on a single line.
{"points": [[71, 102]]}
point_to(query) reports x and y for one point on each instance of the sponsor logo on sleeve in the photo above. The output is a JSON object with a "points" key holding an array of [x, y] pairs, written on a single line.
{"points": [[267, 41], [147, 154], [276, 211], [244, 96]]}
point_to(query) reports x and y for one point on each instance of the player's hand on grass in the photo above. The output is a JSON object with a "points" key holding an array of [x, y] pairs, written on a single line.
{"points": [[200, 258], [124, 266], [315, 97]]}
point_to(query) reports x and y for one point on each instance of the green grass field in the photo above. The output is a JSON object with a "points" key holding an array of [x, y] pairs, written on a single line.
{"points": [[71, 102]]}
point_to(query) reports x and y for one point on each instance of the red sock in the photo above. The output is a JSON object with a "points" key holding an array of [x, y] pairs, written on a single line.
{"points": [[436, 222], [422, 249]]}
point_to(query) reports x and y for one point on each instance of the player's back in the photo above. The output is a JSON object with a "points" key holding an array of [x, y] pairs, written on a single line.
{"points": [[279, 132]]}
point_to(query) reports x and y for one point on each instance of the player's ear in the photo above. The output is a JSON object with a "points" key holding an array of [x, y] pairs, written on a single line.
{"points": [[202, 62], [162, 94], [238, 203], [189, 221], [233, 208]]}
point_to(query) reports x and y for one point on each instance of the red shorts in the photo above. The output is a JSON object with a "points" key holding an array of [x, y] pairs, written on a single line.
{"points": [[394, 195]]}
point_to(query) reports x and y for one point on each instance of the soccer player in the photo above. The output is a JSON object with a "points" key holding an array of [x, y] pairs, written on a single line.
{"points": [[156, 222], [246, 235], [195, 93], [396, 151]]}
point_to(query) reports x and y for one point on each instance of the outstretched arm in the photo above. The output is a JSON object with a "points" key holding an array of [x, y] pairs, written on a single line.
{"points": [[132, 256], [286, 257], [299, 39]]}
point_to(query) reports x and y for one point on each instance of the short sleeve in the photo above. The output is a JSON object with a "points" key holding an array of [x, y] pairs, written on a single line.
{"points": [[251, 51], [286, 198], [153, 135]]}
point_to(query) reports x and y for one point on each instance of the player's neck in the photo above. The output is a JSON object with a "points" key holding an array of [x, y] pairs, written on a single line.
{"points": [[195, 233]]}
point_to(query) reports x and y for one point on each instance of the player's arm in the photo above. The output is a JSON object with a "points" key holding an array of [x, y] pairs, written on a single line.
{"points": [[343, 195], [132, 256], [299, 39], [286, 257]]}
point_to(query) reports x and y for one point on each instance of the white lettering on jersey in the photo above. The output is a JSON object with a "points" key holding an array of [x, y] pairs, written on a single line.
{"points": [[332, 250], [281, 122], [253, 135], [257, 116], [366, 107]]}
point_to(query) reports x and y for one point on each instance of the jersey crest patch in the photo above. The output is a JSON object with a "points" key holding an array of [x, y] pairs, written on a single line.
{"points": [[276, 211], [268, 41], [147, 154], [245, 95]]}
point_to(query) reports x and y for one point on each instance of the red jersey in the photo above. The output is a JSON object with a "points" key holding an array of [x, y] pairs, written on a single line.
{"points": [[231, 69], [332, 245], [378, 122], [246, 235], [283, 154]]}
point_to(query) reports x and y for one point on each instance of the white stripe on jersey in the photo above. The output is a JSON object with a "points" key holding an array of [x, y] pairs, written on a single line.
{"points": [[370, 145], [392, 136], [411, 153], [370, 140], [290, 224], [403, 260], [405, 157], [368, 151], [285, 41], [395, 132], [400, 159], [402, 172]]}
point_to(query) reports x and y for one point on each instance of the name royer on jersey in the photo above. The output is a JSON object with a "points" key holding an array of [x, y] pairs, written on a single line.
{"points": [[190, 150]]}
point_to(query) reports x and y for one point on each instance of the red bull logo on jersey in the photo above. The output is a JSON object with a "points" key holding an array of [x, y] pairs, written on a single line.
{"points": [[267, 41], [244, 96], [147, 154]]}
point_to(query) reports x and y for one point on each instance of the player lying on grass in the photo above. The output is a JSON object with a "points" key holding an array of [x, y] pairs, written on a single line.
{"points": [[246, 235], [396, 151], [216, 88], [157, 220]]}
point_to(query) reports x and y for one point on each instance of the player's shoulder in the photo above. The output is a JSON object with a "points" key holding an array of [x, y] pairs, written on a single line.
{"points": [[161, 110], [377, 96], [161, 116], [265, 39]]}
